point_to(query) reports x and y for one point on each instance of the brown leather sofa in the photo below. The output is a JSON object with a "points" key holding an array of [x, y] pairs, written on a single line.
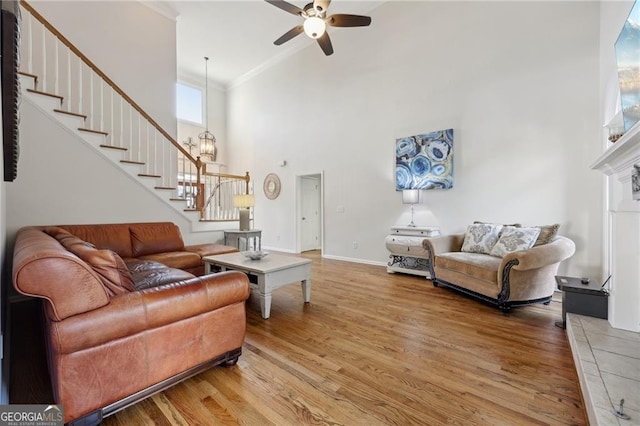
{"points": [[158, 241], [119, 330]]}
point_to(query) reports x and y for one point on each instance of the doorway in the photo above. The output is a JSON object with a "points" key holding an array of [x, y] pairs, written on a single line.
{"points": [[310, 212]]}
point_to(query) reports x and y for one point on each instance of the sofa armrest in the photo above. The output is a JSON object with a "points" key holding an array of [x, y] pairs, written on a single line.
{"points": [[537, 257], [443, 243], [136, 312]]}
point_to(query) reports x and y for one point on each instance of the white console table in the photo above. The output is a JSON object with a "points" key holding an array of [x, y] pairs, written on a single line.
{"points": [[407, 254]]}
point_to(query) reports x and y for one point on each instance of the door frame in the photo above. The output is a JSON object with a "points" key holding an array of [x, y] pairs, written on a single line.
{"points": [[298, 190]]}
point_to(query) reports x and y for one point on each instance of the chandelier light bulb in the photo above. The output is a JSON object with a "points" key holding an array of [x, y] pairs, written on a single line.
{"points": [[314, 27]]}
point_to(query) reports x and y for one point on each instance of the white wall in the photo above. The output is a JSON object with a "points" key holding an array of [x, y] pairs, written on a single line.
{"points": [[516, 80], [134, 45]]}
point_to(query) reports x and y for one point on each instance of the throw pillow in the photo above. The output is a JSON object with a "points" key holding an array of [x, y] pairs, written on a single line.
{"points": [[481, 237], [113, 272], [64, 237], [547, 234], [517, 225], [514, 239]]}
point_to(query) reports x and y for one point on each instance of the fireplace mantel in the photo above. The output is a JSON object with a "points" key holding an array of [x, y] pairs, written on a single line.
{"points": [[622, 233], [620, 157]]}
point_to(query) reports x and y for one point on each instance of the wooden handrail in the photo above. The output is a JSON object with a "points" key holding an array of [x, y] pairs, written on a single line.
{"points": [[102, 75]]}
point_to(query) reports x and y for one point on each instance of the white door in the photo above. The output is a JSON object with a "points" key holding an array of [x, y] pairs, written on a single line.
{"points": [[310, 213]]}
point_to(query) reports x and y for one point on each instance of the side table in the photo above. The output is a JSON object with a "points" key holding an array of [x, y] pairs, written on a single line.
{"points": [[407, 254], [232, 237], [585, 299]]}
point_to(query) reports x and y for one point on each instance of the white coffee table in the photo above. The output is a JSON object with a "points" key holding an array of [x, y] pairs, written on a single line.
{"points": [[271, 272]]}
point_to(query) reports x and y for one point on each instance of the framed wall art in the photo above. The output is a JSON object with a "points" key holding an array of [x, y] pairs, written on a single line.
{"points": [[425, 161], [271, 186]]}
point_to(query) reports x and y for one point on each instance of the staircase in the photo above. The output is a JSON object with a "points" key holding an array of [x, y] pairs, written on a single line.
{"points": [[67, 87]]}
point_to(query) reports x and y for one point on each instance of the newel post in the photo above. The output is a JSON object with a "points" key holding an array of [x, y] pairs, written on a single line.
{"points": [[198, 176], [246, 182]]}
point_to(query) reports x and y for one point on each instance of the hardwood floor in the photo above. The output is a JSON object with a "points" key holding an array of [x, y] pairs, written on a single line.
{"points": [[379, 349]]}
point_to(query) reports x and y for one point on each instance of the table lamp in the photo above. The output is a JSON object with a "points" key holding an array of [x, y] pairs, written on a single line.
{"points": [[411, 196], [244, 202]]}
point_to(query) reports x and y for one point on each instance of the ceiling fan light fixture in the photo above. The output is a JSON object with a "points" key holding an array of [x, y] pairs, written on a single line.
{"points": [[314, 27]]}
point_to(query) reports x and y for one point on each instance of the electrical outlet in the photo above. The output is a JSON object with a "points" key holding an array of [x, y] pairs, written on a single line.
{"points": [[355, 244]]}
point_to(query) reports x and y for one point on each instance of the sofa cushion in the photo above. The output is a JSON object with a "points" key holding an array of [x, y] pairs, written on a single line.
{"points": [[473, 264], [547, 234], [210, 249], [147, 273], [105, 236], [514, 239], [175, 259], [151, 238], [481, 237]]}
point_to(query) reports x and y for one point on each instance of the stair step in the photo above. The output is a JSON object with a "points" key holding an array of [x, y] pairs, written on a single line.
{"points": [[132, 162], [146, 175], [51, 95], [75, 114], [114, 147], [99, 132], [33, 76], [191, 210], [177, 199], [165, 187]]}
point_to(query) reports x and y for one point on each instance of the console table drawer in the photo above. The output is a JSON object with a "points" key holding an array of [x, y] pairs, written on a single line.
{"points": [[406, 245]]}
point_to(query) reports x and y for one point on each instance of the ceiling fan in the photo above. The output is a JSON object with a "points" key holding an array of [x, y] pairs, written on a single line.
{"points": [[316, 21]]}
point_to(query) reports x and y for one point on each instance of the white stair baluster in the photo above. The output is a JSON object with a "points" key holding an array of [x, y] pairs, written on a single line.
{"points": [[44, 60], [56, 67], [29, 44]]}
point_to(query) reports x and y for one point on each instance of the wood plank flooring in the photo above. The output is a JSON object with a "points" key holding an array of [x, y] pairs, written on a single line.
{"points": [[381, 349]]}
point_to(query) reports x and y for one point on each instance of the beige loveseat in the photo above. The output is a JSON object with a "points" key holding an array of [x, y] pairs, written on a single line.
{"points": [[518, 278]]}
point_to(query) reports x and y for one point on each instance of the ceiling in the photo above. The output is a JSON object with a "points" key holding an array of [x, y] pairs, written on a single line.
{"points": [[238, 35]]}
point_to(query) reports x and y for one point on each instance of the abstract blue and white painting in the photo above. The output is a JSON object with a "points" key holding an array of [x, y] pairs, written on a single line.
{"points": [[425, 161]]}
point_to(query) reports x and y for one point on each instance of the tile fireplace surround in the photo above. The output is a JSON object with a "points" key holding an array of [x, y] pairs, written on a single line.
{"points": [[608, 364]]}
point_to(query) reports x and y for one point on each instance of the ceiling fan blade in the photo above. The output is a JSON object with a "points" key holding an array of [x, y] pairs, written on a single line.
{"points": [[325, 44], [321, 5], [342, 20], [289, 35], [287, 7]]}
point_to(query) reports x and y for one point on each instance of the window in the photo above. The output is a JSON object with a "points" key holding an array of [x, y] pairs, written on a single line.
{"points": [[189, 103]]}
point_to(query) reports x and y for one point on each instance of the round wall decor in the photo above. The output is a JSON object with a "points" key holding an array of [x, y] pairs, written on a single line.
{"points": [[271, 186]]}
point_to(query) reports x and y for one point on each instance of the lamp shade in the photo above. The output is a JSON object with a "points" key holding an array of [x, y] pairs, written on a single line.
{"points": [[244, 201], [410, 196]]}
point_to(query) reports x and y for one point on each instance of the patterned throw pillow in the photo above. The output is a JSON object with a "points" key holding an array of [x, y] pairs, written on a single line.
{"points": [[514, 239], [547, 234], [481, 237]]}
